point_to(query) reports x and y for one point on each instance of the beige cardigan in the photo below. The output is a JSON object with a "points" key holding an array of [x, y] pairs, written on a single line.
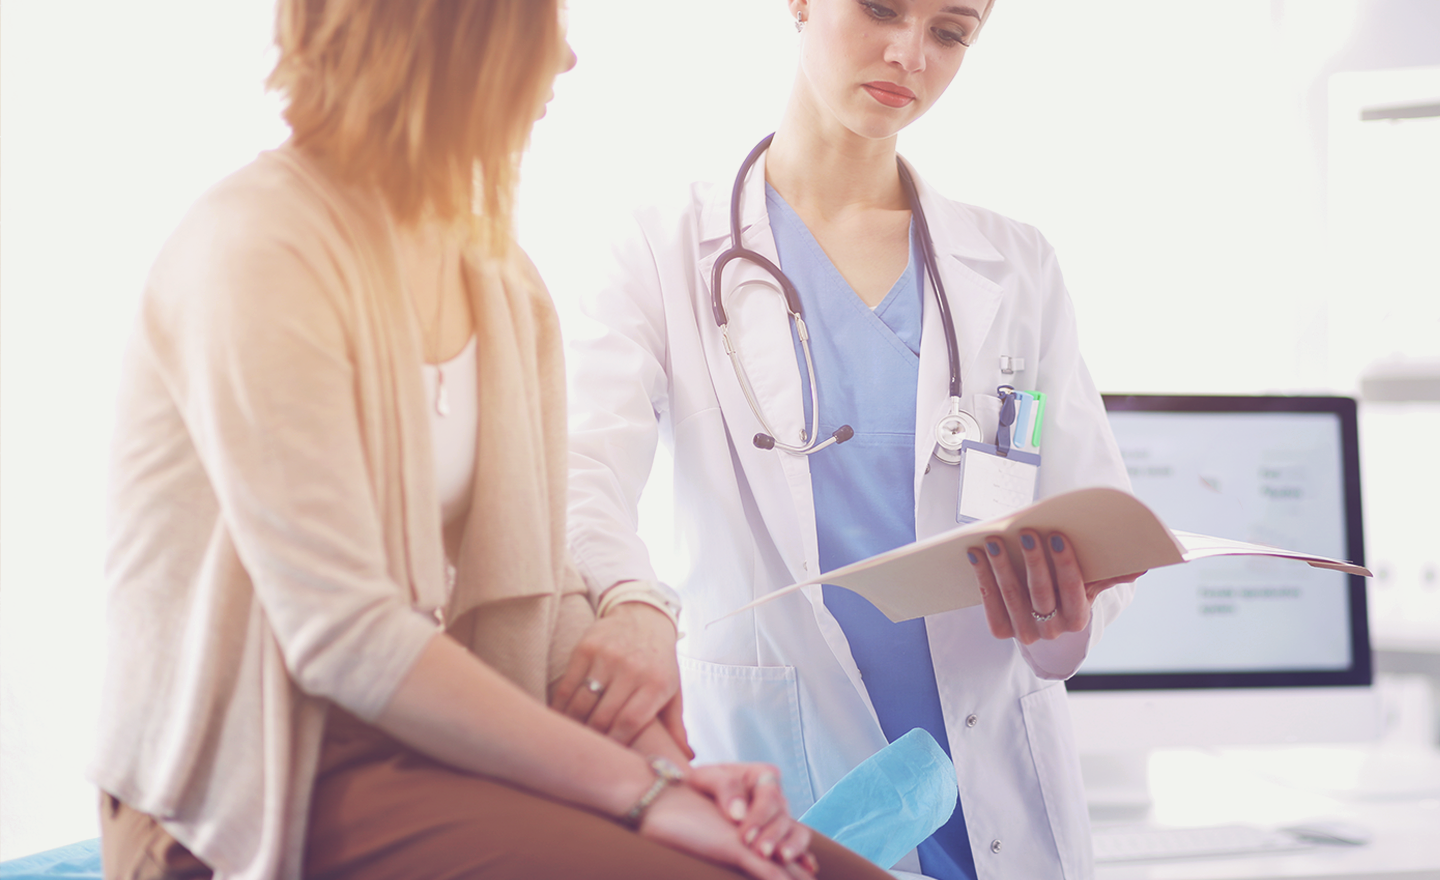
{"points": [[275, 536]]}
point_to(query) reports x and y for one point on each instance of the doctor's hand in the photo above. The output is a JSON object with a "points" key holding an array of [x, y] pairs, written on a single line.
{"points": [[623, 675], [1046, 600]]}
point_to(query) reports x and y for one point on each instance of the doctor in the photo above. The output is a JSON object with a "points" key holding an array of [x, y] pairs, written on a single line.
{"points": [[816, 682]]}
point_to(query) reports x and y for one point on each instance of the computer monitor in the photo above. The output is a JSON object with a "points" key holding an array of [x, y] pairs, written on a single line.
{"points": [[1238, 650]]}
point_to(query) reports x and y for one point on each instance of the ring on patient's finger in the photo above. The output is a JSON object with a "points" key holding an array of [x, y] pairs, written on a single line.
{"points": [[594, 687], [767, 779], [1041, 618]]}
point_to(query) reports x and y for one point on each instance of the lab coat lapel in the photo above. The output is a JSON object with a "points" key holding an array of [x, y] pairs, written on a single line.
{"points": [[759, 328], [974, 301]]}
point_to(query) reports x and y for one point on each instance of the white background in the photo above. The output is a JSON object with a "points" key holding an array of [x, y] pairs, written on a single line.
{"points": [[1174, 154]]}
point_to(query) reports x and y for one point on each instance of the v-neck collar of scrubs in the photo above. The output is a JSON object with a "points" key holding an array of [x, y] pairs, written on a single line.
{"points": [[894, 312]]}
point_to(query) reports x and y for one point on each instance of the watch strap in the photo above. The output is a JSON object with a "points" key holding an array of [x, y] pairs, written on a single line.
{"points": [[666, 775]]}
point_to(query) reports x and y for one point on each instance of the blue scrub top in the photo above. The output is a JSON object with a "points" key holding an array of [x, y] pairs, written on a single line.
{"points": [[867, 365]]}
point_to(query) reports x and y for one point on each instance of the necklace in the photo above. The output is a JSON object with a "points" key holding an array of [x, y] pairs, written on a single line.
{"points": [[432, 343], [442, 398]]}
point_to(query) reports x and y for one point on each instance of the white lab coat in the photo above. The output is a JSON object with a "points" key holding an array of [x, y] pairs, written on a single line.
{"points": [[778, 684]]}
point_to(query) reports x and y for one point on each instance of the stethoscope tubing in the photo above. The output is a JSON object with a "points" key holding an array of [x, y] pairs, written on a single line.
{"points": [[810, 440], [927, 253]]}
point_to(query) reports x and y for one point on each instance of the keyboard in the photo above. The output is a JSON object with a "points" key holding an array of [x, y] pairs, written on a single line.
{"points": [[1135, 843]]}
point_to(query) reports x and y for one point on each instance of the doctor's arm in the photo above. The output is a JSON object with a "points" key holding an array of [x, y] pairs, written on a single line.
{"points": [[624, 673]]}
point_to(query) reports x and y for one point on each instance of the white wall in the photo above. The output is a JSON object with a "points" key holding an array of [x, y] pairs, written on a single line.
{"points": [[116, 116], [1168, 154]]}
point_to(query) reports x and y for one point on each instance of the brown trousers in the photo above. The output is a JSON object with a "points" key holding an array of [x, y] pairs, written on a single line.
{"points": [[382, 811]]}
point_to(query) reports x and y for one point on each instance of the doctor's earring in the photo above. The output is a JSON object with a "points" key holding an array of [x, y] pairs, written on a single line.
{"points": [[799, 22]]}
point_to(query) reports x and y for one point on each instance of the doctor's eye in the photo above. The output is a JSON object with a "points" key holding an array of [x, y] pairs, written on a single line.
{"points": [[951, 37], [878, 11]]}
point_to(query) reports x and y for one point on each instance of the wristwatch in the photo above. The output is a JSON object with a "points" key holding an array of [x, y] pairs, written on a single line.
{"points": [[666, 775]]}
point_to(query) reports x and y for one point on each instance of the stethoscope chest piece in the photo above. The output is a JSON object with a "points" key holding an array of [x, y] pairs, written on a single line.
{"points": [[953, 429]]}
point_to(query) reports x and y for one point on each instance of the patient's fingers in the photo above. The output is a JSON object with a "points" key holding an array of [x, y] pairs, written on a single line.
{"points": [[726, 785], [768, 817], [589, 694], [794, 844]]}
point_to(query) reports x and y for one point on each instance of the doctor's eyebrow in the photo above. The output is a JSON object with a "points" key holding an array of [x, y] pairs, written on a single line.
{"points": [[961, 10]]}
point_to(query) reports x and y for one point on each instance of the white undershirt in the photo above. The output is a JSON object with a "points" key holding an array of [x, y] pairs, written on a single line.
{"points": [[453, 436]]}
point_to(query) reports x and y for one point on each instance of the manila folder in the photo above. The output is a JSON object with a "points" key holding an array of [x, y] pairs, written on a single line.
{"points": [[1113, 533]]}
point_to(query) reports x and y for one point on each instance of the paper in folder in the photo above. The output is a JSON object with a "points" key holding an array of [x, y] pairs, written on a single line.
{"points": [[1113, 533]]}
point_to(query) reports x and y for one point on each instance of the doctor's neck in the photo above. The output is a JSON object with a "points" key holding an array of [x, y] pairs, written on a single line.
{"points": [[817, 163]]}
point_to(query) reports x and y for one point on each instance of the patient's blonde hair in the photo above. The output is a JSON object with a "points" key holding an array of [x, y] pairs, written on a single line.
{"points": [[431, 101]]}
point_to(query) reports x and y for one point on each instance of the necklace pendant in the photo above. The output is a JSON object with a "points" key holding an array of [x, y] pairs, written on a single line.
{"points": [[442, 396]]}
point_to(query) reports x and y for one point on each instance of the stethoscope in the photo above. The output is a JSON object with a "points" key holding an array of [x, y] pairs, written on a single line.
{"points": [[953, 429]]}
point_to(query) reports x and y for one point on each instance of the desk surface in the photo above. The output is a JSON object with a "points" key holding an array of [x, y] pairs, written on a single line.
{"points": [[1392, 793]]}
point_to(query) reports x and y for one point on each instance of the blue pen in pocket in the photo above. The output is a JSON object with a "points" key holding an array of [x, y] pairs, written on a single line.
{"points": [[1025, 403]]}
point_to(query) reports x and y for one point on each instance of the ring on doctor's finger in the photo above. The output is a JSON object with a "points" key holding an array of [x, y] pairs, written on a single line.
{"points": [[594, 687], [1043, 618], [767, 778]]}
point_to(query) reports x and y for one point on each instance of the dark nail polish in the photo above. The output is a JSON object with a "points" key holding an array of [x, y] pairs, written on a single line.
{"points": [[1027, 541], [974, 560], [993, 547], [1057, 543]]}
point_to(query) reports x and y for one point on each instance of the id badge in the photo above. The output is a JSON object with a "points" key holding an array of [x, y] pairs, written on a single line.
{"points": [[992, 484]]}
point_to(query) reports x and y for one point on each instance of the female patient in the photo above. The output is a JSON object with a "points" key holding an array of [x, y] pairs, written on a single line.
{"points": [[339, 589]]}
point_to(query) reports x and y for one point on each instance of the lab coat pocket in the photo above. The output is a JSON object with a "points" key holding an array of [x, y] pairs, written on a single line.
{"points": [[748, 713], [1052, 748]]}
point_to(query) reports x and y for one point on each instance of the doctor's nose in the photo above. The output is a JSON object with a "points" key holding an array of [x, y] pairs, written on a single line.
{"points": [[907, 49]]}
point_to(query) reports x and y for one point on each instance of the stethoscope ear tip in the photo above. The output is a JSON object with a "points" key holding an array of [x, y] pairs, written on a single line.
{"points": [[764, 441]]}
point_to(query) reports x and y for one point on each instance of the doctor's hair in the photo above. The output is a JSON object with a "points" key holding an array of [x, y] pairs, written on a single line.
{"points": [[429, 101]]}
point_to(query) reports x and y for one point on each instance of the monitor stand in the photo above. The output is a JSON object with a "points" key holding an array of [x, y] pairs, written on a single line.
{"points": [[1117, 730]]}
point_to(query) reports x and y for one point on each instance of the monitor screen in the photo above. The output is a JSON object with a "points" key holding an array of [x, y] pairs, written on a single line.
{"points": [[1282, 471]]}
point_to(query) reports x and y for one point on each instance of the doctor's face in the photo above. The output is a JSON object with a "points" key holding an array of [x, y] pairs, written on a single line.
{"points": [[878, 65]]}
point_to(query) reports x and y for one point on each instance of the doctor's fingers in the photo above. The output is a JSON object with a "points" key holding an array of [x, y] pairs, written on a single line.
{"points": [[1074, 608], [627, 707], [1013, 590], [1095, 588], [672, 718], [995, 614], [1040, 581]]}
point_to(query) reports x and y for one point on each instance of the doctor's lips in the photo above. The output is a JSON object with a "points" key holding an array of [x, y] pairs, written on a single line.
{"points": [[889, 94]]}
